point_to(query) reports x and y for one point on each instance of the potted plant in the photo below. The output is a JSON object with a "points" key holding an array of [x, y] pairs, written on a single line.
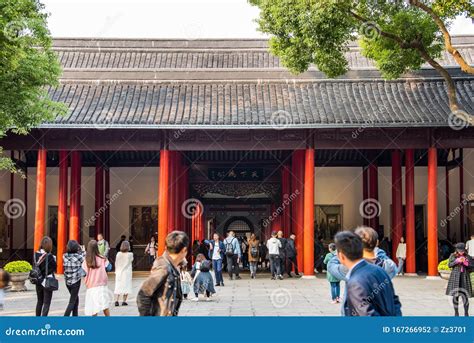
{"points": [[443, 270], [19, 271]]}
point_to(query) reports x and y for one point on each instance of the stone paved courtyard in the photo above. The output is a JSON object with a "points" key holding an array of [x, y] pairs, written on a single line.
{"points": [[260, 297]]}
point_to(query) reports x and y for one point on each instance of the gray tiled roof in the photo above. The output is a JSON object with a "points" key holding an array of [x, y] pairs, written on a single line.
{"points": [[236, 84], [199, 54], [257, 105]]}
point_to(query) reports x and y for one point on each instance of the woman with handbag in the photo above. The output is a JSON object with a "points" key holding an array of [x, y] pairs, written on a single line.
{"points": [[45, 261], [98, 297]]}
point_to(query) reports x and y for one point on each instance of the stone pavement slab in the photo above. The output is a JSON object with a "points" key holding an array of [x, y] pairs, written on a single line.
{"points": [[256, 297]]}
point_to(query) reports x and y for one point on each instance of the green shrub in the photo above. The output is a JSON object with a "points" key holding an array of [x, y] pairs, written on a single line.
{"points": [[18, 267], [443, 265]]}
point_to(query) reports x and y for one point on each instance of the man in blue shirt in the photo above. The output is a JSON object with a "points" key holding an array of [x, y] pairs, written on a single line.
{"points": [[233, 255]]}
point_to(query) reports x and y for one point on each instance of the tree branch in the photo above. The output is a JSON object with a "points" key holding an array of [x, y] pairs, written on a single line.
{"points": [[418, 46], [447, 37]]}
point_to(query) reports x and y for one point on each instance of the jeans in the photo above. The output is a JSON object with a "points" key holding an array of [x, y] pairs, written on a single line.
{"points": [[400, 265], [73, 305], [151, 259], [292, 262], [232, 265], [275, 265], [44, 301], [217, 266], [335, 290], [253, 267]]}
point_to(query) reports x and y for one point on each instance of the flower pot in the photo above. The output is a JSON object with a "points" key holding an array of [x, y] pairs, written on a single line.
{"points": [[444, 274], [18, 282]]}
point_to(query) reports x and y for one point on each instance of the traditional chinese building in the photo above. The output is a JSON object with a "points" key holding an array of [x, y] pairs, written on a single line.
{"points": [[155, 123]]}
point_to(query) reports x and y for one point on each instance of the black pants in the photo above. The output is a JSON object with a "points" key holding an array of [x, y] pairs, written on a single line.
{"points": [[232, 265], [465, 301], [318, 263], [275, 265], [292, 262], [73, 305], [282, 264], [44, 301]]}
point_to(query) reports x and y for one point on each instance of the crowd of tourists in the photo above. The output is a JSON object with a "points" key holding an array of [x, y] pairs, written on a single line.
{"points": [[354, 258]]}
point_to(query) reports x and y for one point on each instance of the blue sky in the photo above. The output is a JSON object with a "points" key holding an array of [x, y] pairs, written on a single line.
{"points": [[164, 19]]}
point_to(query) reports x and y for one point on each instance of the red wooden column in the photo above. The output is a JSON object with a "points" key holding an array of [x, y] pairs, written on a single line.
{"points": [[397, 209], [172, 192], [410, 210], [178, 193], [365, 190], [285, 199], [107, 205], [202, 224], [373, 192], [40, 198], [186, 221], [75, 197], [163, 199], [99, 199], [432, 223], [62, 209], [446, 181], [309, 213], [297, 177]]}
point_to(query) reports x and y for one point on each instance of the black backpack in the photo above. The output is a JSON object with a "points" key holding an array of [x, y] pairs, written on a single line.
{"points": [[35, 276], [254, 251], [229, 248]]}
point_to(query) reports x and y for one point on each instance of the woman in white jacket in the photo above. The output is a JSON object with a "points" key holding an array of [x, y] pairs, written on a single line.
{"points": [[401, 255], [123, 273]]}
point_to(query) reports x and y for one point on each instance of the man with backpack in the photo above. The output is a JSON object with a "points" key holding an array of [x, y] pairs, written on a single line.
{"points": [[233, 255], [161, 294], [371, 253]]}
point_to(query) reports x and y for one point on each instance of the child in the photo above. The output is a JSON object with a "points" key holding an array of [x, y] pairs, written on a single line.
{"points": [[203, 281], [186, 280], [333, 281], [4, 280], [98, 297]]}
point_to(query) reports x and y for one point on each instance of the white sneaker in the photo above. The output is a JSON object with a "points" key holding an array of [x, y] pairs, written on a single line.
{"points": [[208, 299], [195, 299]]}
